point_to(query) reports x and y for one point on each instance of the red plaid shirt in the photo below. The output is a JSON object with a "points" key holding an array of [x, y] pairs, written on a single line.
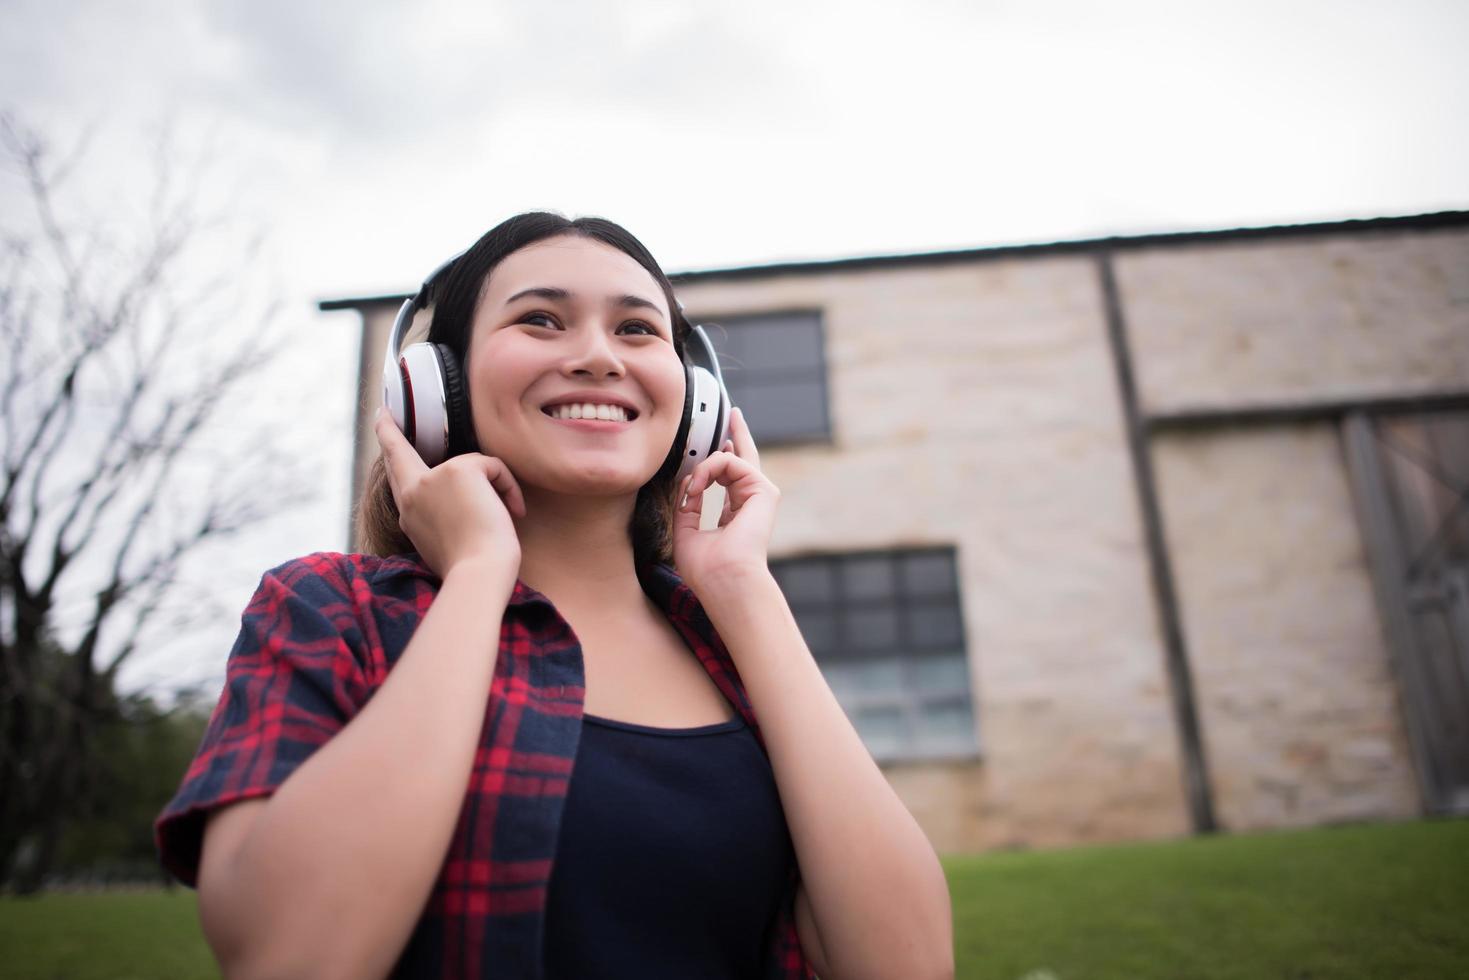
{"points": [[316, 641]]}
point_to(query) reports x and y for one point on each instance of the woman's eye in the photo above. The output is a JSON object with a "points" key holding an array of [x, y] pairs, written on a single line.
{"points": [[636, 327]]}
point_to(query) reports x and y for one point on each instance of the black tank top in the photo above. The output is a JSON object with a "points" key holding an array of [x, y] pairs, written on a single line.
{"points": [[673, 857]]}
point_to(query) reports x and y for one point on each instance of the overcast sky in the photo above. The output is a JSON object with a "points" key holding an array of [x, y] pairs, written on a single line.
{"points": [[372, 140]]}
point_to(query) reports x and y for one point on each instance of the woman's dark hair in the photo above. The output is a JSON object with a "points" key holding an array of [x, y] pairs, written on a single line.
{"points": [[455, 296]]}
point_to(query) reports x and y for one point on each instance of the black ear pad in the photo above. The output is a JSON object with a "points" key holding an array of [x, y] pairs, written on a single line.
{"points": [[688, 412], [456, 397], [674, 459]]}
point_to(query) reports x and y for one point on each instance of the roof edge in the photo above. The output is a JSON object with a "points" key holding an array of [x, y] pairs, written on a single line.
{"points": [[1432, 220]]}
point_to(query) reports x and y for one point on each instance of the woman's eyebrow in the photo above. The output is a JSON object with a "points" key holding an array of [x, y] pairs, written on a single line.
{"points": [[561, 295]]}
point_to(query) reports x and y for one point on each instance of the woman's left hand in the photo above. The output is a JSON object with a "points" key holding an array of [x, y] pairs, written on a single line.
{"points": [[739, 545]]}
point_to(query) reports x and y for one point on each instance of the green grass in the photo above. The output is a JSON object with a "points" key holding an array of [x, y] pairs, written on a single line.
{"points": [[1388, 901], [143, 935]]}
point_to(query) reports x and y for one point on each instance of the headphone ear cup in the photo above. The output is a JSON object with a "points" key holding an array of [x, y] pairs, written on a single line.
{"points": [[423, 390], [456, 398], [707, 418]]}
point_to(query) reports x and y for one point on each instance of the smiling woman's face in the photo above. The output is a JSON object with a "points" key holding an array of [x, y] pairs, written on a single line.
{"points": [[563, 324]]}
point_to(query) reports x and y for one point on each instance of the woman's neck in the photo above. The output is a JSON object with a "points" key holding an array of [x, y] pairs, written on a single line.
{"points": [[574, 549]]}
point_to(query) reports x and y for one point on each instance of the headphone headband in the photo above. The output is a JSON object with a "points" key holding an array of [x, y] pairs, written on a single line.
{"points": [[412, 305]]}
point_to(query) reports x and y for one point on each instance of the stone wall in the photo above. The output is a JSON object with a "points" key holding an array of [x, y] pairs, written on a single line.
{"points": [[975, 406], [1299, 707], [1296, 697], [1241, 323]]}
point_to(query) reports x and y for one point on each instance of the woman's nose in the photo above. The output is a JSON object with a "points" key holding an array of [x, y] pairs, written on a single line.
{"points": [[594, 356]]}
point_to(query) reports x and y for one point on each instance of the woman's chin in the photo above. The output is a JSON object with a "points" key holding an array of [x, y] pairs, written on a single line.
{"points": [[597, 482]]}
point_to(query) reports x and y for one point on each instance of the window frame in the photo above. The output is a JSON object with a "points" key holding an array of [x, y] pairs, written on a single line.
{"points": [[720, 327], [908, 698]]}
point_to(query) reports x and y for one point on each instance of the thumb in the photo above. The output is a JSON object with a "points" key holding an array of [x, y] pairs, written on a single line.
{"points": [[686, 517]]}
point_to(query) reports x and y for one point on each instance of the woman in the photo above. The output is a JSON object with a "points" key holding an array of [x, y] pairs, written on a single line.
{"points": [[486, 750]]}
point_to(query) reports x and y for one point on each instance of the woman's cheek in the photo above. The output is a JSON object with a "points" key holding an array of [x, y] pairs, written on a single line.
{"points": [[673, 382]]}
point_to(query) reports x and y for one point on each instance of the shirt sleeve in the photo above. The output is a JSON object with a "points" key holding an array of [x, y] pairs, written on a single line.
{"points": [[293, 680]]}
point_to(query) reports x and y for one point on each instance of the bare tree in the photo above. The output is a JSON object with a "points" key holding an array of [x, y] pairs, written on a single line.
{"points": [[119, 349]]}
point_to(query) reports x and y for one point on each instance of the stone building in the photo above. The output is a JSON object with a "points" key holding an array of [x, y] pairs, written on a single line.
{"points": [[1122, 538]]}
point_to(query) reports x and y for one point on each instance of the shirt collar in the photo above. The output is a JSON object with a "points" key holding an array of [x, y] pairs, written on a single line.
{"points": [[663, 585]]}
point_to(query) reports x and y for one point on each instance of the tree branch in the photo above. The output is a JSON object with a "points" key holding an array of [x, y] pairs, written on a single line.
{"points": [[109, 399]]}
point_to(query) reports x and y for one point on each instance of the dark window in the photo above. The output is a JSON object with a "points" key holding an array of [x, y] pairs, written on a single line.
{"points": [[1427, 459], [1411, 477], [775, 368], [886, 630]]}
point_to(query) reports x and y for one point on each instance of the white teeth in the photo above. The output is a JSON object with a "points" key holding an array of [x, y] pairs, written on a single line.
{"points": [[589, 410]]}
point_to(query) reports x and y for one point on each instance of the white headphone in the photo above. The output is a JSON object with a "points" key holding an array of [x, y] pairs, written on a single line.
{"points": [[424, 389]]}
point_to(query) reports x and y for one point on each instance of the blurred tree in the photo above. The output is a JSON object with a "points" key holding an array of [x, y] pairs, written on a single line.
{"points": [[142, 749], [121, 343]]}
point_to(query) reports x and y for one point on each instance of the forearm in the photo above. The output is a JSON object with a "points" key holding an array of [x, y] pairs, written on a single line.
{"points": [[333, 874], [877, 891]]}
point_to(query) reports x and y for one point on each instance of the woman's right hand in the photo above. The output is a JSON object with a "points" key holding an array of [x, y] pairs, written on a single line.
{"points": [[454, 513]]}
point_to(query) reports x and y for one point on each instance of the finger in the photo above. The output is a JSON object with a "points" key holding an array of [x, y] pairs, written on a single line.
{"points": [[686, 520], [746, 489], [399, 456], [505, 485], [687, 509], [726, 510], [727, 505], [741, 481], [744, 443], [721, 467]]}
